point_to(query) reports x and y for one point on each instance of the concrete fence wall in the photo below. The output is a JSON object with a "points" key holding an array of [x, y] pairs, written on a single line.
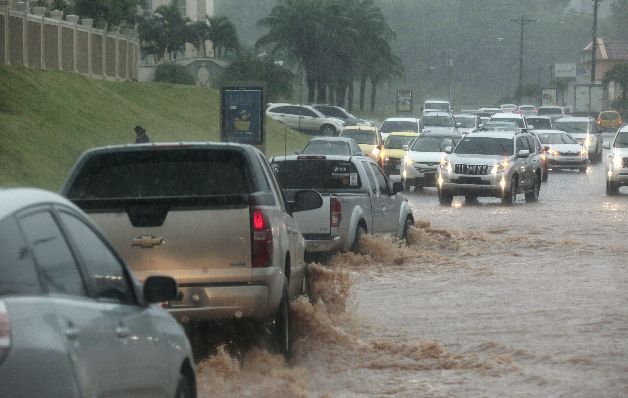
{"points": [[53, 44]]}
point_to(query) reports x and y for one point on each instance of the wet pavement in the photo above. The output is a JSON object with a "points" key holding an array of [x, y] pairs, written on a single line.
{"points": [[486, 300]]}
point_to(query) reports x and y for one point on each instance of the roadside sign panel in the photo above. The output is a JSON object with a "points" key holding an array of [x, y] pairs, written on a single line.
{"points": [[548, 97], [242, 115], [565, 70], [404, 101]]}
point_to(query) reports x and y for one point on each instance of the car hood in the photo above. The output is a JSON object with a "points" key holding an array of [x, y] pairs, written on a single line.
{"points": [[426, 157], [575, 148], [441, 130], [476, 159]]}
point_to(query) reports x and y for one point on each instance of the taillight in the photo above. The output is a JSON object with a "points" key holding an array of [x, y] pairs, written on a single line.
{"points": [[335, 211], [5, 331], [261, 239]]}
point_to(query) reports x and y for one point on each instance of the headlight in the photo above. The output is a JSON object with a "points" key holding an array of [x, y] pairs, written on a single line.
{"points": [[386, 159], [446, 165], [375, 152], [408, 161], [587, 142], [584, 152], [617, 163], [554, 152], [499, 167]]}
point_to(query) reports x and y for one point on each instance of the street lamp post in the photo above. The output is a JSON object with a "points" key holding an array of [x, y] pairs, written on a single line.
{"points": [[522, 22]]}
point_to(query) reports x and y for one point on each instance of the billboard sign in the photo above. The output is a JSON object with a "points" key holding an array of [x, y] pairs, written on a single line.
{"points": [[548, 97], [242, 114], [404, 101], [565, 70]]}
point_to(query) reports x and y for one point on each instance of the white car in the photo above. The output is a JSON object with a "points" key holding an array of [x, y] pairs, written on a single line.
{"points": [[305, 118], [510, 117], [562, 151], [439, 123], [422, 160], [467, 123], [437, 106], [400, 124], [526, 110], [617, 162], [585, 131], [74, 322], [508, 108]]}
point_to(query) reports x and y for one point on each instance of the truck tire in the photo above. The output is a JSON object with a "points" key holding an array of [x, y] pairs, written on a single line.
{"points": [[406, 227], [355, 247], [281, 339], [444, 198], [183, 388], [611, 188], [533, 196], [509, 198]]}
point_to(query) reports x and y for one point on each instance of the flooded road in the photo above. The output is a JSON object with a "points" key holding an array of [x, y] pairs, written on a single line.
{"points": [[486, 300]]}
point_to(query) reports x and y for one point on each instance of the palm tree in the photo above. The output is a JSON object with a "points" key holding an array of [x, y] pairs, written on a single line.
{"points": [[175, 28], [386, 67], [223, 35], [251, 67], [619, 75], [200, 33]]}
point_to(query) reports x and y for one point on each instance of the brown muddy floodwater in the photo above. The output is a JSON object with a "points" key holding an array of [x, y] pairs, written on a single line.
{"points": [[485, 301]]}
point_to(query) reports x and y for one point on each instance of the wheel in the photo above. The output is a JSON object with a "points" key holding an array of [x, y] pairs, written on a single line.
{"points": [[355, 247], [184, 390], [305, 284], [406, 228], [533, 196], [583, 169], [611, 188], [545, 175], [280, 333], [328, 130], [444, 198], [509, 198], [407, 184]]}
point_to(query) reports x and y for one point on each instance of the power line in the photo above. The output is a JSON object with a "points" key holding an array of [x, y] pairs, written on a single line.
{"points": [[522, 22]]}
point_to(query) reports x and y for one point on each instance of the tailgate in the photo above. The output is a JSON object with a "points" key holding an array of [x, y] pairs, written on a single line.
{"points": [[315, 222], [192, 246]]}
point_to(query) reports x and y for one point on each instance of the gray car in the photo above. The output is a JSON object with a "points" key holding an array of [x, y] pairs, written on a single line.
{"points": [[562, 150], [73, 320]]}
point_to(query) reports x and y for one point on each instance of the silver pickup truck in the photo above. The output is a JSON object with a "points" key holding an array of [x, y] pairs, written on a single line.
{"points": [[357, 198], [210, 215]]}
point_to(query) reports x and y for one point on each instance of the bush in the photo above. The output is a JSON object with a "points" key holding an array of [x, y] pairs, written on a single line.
{"points": [[173, 73]]}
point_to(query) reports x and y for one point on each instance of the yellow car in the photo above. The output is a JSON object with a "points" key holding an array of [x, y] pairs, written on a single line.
{"points": [[609, 120], [394, 152], [368, 138]]}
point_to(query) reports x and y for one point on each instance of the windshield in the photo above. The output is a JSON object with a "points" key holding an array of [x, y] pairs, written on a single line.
{"points": [[437, 105], [360, 136], [433, 144], [621, 141], [438, 121], [572, 127], [517, 121], [466, 122], [327, 148], [316, 174], [539, 123], [390, 126], [556, 138], [398, 141], [485, 146]]}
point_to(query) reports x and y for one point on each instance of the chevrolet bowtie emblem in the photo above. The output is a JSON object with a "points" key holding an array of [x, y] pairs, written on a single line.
{"points": [[147, 242]]}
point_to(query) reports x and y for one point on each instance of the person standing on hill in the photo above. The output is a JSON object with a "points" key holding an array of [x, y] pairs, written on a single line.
{"points": [[140, 135]]}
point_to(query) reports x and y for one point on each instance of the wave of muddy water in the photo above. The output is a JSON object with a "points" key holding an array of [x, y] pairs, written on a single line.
{"points": [[485, 301]]}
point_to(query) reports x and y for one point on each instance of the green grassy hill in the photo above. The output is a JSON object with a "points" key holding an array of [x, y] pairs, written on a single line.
{"points": [[47, 119]]}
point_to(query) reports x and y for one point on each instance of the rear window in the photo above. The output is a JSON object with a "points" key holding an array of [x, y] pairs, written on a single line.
{"points": [[318, 174], [517, 121], [609, 115], [436, 105], [390, 126], [539, 123], [549, 111], [327, 148], [360, 136], [163, 174]]}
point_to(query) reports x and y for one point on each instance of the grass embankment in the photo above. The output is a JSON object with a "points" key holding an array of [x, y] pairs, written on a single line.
{"points": [[47, 119]]}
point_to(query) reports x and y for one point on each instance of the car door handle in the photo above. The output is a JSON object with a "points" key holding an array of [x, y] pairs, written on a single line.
{"points": [[122, 331], [71, 332]]}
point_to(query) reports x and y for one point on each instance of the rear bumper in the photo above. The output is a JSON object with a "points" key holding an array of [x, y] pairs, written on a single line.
{"points": [[567, 163], [323, 245]]}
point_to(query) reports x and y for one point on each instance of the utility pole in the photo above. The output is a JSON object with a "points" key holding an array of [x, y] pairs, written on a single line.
{"points": [[522, 22], [594, 42], [450, 70]]}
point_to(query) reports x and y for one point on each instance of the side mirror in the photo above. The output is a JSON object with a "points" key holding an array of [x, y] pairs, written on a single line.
{"points": [[159, 288], [405, 147], [306, 200], [448, 149], [524, 153], [606, 145], [398, 187]]}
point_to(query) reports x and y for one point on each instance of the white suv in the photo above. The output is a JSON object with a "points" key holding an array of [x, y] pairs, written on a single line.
{"points": [[498, 164], [617, 162], [305, 118]]}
